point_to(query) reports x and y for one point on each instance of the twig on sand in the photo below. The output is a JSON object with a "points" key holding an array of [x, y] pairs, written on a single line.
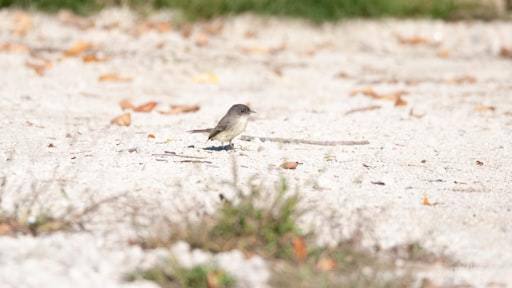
{"points": [[301, 141]]}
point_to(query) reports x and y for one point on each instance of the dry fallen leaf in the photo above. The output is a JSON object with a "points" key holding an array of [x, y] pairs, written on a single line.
{"points": [[126, 104], [250, 34], [299, 248], [326, 264], [395, 96], [425, 201], [14, 47], [413, 40], [462, 79], [186, 30], [479, 163], [214, 27], [213, 279], [113, 77], [22, 24], [91, 58], [151, 136], [201, 40], [40, 67], [506, 52], [146, 107], [122, 120], [399, 102], [5, 229], [290, 165], [178, 109], [78, 48], [206, 78], [485, 108], [443, 53]]}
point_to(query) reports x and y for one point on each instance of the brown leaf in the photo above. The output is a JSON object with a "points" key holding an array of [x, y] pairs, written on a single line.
{"points": [[462, 79], [250, 34], [122, 120], [479, 163], [506, 52], [151, 136], [13, 47], [40, 67], [443, 53], [290, 165], [179, 109], [214, 27], [342, 75], [126, 104], [186, 30], [5, 229], [213, 279], [395, 96], [91, 58], [399, 102], [485, 108], [22, 24], [413, 40], [300, 249], [78, 48], [326, 264], [425, 201], [113, 77], [146, 107], [201, 40]]}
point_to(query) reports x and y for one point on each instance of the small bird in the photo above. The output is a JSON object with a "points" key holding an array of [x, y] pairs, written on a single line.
{"points": [[230, 126]]}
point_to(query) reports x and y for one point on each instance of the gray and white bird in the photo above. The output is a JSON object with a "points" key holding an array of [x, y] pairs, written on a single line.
{"points": [[230, 126]]}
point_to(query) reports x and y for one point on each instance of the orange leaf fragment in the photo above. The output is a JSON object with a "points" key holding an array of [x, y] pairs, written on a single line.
{"points": [[39, 68], [113, 77], [326, 264], [178, 109], [201, 40], [151, 136], [126, 104], [78, 48], [146, 107], [425, 201], [299, 248], [290, 165], [90, 58], [463, 79], [122, 120], [485, 108], [413, 40], [399, 102], [14, 47]]}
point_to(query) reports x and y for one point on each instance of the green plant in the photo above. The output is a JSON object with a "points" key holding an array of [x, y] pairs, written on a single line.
{"points": [[170, 275]]}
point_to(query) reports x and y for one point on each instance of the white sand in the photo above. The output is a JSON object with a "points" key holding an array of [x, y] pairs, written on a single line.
{"points": [[470, 219]]}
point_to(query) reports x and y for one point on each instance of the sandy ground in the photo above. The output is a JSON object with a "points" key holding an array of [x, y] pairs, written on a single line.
{"points": [[299, 79]]}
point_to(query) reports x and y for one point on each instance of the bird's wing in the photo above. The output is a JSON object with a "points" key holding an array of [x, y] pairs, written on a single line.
{"points": [[221, 126]]}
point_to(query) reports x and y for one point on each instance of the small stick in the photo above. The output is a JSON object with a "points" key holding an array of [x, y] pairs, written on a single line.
{"points": [[301, 141]]}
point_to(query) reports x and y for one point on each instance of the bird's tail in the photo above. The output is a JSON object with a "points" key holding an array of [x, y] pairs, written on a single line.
{"points": [[207, 130]]}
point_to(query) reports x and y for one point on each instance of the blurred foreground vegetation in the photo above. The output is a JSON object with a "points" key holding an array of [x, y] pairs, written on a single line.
{"points": [[314, 10]]}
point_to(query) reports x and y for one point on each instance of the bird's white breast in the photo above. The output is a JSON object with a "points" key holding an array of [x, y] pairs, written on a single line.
{"points": [[233, 131]]}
